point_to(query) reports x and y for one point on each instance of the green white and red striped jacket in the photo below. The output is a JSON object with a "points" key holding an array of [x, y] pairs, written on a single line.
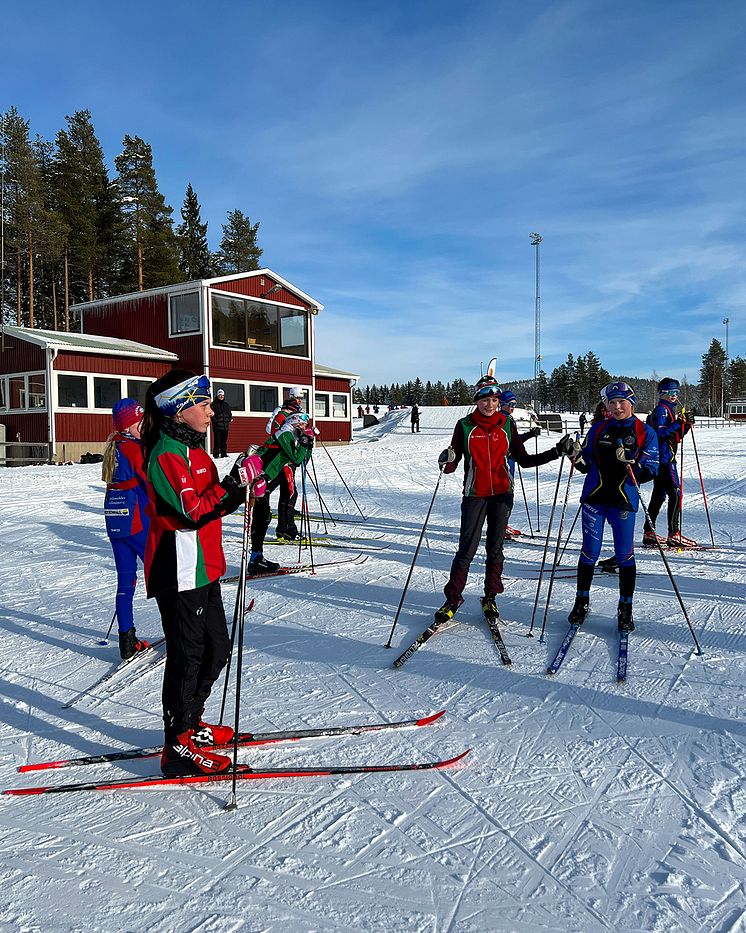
{"points": [[186, 503]]}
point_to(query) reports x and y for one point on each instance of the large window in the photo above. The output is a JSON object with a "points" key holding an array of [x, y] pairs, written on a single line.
{"points": [[321, 405], [305, 396], [72, 391], [339, 406], [17, 391], [263, 398], [184, 314], [106, 392], [136, 389], [235, 394], [37, 391], [258, 325]]}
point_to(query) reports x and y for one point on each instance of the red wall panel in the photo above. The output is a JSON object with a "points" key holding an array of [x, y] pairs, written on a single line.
{"points": [[262, 367], [81, 427], [115, 365], [20, 356], [32, 427], [327, 384], [252, 288]]}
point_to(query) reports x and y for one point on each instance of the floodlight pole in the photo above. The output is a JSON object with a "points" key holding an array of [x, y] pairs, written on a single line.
{"points": [[536, 241], [726, 321]]}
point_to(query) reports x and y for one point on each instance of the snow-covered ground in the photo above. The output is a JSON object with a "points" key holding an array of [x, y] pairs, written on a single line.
{"points": [[584, 805]]}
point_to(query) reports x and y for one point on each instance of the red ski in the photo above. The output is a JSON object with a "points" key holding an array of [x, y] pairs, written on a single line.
{"points": [[243, 773]]}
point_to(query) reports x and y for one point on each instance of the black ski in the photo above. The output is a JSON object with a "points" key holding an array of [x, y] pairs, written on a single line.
{"points": [[439, 625], [150, 652], [244, 739], [243, 773], [491, 619], [301, 568]]}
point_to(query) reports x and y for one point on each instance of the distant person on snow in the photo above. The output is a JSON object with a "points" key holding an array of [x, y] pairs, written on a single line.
{"points": [[582, 421], [670, 422], [360, 411], [487, 441], [184, 562], [125, 512], [610, 495], [221, 420], [414, 418]]}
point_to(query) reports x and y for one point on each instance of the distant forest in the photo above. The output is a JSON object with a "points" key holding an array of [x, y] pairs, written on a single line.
{"points": [[576, 384]]}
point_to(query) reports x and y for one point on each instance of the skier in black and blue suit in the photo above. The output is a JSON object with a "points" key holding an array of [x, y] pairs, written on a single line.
{"points": [[610, 495]]}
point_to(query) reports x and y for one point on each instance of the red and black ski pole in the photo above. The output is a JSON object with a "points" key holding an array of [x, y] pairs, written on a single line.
{"points": [[665, 561], [557, 557], [525, 501]]}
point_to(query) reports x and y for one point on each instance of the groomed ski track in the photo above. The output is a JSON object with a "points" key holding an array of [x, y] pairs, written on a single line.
{"points": [[585, 805]]}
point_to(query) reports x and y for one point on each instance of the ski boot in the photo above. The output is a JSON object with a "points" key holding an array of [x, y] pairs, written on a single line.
{"points": [[261, 565], [624, 617], [448, 610], [206, 734], [489, 608], [579, 612], [130, 644], [183, 757], [649, 538], [677, 540]]}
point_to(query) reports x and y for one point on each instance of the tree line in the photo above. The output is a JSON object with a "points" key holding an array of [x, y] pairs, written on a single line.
{"points": [[575, 385], [71, 232]]}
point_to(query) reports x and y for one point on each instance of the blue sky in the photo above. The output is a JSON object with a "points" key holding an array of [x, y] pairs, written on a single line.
{"points": [[398, 154]]}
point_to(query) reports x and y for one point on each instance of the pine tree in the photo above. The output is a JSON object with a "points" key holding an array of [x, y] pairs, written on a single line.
{"points": [[737, 378], [239, 249], [154, 257], [542, 390], [195, 259], [712, 378]]}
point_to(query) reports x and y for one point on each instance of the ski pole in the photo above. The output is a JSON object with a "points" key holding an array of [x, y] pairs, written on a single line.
{"points": [[546, 548], [665, 561], [702, 484], [538, 518], [305, 512], [241, 593], [105, 639], [414, 560], [569, 533], [557, 557], [323, 447], [322, 505], [525, 501]]}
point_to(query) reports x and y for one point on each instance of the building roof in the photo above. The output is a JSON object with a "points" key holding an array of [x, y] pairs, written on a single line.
{"points": [[88, 343], [179, 287], [332, 371]]}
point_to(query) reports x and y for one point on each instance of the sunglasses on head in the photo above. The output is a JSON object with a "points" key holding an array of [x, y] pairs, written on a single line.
{"points": [[487, 392]]}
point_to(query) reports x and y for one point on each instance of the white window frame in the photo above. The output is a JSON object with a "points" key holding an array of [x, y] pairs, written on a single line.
{"points": [[89, 377], [348, 405], [243, 412], [328, 397], [185, 333], [6, 377], [278, 304]]}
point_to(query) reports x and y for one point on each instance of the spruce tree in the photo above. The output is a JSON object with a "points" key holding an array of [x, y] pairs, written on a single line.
{"points": [[239, 249], [195, 260], [712, 378], [154, 255]]}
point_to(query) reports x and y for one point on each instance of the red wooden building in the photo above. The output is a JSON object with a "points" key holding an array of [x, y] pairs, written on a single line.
{"points": [[251, 333]]}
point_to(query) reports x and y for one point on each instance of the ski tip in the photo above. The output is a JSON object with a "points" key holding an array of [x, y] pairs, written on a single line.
{"points": [[40, 766], [23, 791], [427, 720], [452, 761], [551, 670]]}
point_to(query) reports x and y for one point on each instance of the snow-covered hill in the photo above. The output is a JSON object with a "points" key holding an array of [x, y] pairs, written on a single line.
{"points": [[583, 806]]}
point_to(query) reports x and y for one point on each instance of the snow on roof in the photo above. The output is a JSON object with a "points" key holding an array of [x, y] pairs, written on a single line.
{"points": [[333, 371], [88, 343]]}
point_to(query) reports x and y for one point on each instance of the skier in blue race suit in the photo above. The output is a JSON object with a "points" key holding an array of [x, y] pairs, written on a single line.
{"points": [[610, 495], [670, 422], [124, 510]]}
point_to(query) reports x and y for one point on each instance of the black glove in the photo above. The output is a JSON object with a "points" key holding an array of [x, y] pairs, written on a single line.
{"points": [[567, 446], [534, 432], [687, 416], [447, 456]]}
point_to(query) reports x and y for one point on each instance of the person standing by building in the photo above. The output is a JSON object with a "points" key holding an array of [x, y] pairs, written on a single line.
{"points": [[610, 496], [414, 418], [125, 513], [582, 421], [486, 440], [221, 419], [184, 561], [670, 422]]}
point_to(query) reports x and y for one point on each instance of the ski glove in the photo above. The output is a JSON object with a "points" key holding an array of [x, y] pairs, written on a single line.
{"points": [[534, 432], [247, 471], [447, 460], [567, 447]]}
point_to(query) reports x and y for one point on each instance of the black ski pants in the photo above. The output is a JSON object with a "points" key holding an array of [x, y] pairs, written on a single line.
{"points": [[220, 442], [474, 511], [197, 648], [666, 485], [262, 513]]}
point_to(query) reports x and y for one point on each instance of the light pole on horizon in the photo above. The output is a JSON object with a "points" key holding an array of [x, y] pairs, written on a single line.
{"points": [[536, 239], [726, 321]]}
